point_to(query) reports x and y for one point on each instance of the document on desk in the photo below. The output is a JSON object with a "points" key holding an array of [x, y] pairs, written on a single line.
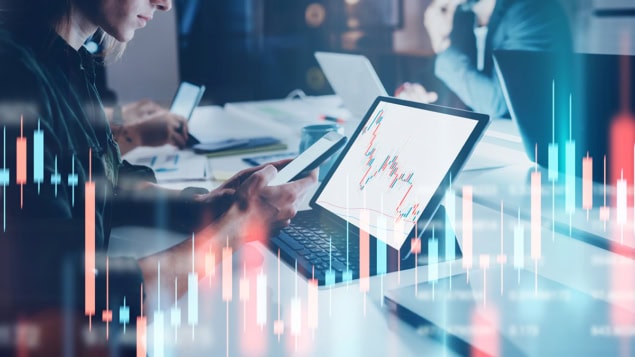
{"points": [[213, 123], [170, 164], [522, 321], [289, 114]]}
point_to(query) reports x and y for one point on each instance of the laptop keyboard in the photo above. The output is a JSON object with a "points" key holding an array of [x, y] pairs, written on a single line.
{"points": [[319, 246]]}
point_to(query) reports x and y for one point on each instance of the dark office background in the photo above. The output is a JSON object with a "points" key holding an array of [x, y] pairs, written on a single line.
{"points": [[262, 49]]}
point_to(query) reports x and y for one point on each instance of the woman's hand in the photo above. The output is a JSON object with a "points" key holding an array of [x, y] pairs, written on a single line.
{"points": [[270, 207], [146, 123]]}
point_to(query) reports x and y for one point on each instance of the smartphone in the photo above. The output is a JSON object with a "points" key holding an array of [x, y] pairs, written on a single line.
{"points": [[185, 100], [310, 159]]}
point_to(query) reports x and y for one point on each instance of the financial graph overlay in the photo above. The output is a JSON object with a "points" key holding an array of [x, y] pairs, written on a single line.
{"points": [[391, 173], [389, 178]]}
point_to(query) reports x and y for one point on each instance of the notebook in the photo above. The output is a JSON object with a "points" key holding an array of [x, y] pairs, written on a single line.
{"points": [[383, 191]]}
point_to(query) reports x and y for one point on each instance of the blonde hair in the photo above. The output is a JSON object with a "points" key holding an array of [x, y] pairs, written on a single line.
{"points": [[112, 48], [21, 14]]}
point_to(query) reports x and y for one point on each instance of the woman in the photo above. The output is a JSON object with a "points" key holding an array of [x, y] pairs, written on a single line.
{"points": [[47, 88]]}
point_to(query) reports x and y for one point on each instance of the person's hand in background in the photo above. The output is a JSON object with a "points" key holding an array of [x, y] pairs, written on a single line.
{"points": [[147, 123], [416, 93], [439, 21]]}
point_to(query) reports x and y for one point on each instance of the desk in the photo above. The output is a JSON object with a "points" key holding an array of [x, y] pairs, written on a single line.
{"points": [[346, 320], [350, 323]]}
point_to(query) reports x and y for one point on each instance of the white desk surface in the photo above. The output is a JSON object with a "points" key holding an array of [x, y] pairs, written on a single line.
{"points": [[348, 324]]}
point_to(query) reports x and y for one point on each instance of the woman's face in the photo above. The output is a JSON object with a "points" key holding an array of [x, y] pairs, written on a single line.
{"points": [[121, 18]]}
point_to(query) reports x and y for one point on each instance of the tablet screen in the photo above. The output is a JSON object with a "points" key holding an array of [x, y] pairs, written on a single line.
{"points": [[394, 167]]}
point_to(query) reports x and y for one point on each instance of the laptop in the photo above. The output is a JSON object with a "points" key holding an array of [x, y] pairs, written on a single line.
{"points": [[594, 83], [535, 316], [384, 190], [353, 79]]}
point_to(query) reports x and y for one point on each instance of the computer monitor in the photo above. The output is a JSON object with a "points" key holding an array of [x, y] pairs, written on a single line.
{"points": [[564, 99]]}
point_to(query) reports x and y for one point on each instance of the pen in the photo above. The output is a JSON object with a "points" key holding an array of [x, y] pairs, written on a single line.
{"points": [[333, 119]]}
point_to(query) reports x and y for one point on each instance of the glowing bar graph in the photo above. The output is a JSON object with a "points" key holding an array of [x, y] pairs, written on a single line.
{"points": [[501, 258], [553, 157], [210, 265], [159, 330], [485, 318], [227, 274], [604, 210], [89, 250], [415, 246], [56, 178], [159, 320], [20, 149], [38, 156], [142, 324], [552, 162], [73, 180], [296, 309], [569, 192], [243, 294], [569, 153], [467, 228], [124, 314], [347, 275], [450, 217], [296, 316], [484, 262], [622, 192], [329, 276], [175, 312], [536, 223], [382, 251], [106, 315], [243, 288], [278, 328], [4, 179], [278, 324], [519, 245], [587, 184], [433, 260], [192, 294], [261, 299], [399, 228], [312, 305], [364, 251]]}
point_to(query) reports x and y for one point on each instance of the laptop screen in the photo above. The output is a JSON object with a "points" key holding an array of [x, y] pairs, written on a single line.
{"points": [[395, 165], [353, 79]]}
